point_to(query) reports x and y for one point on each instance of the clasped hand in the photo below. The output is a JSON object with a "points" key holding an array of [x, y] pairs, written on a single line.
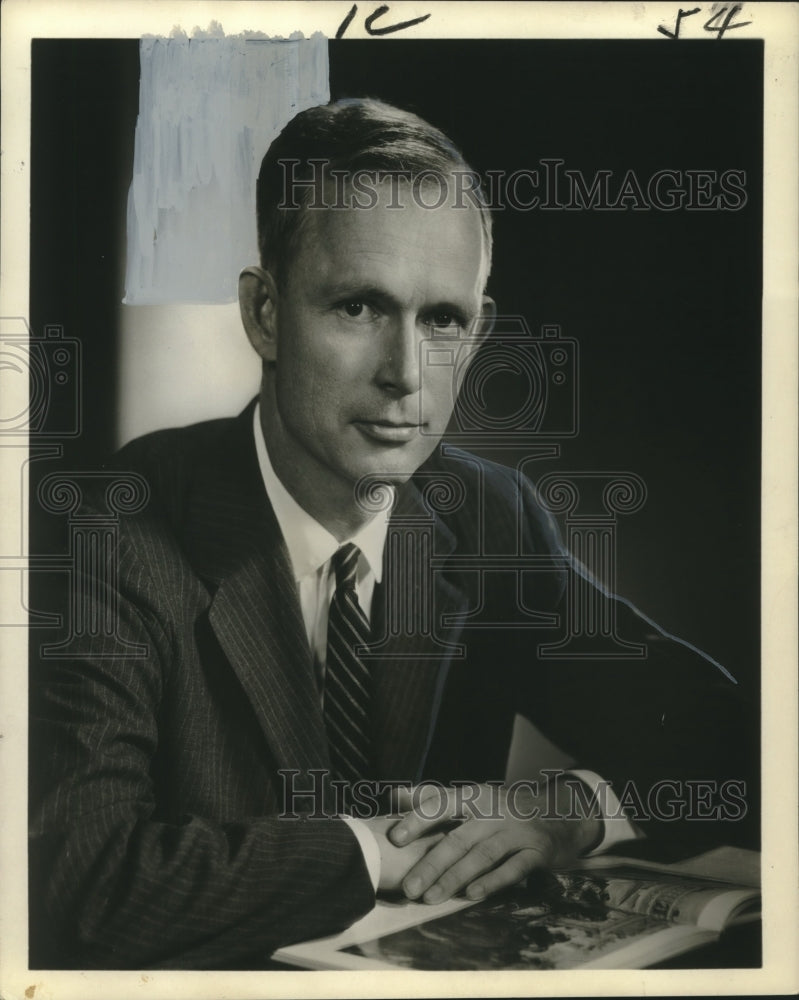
{"points": [[480, 842]]}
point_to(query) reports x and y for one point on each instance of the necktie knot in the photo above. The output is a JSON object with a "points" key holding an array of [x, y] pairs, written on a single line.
{"points": [[345, 566]]}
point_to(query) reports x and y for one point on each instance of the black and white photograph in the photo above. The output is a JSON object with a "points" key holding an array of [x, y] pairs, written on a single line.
{"points": [[398, 435]]}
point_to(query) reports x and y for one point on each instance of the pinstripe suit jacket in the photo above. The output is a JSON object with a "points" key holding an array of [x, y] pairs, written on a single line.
{"points": [[156, 839]]}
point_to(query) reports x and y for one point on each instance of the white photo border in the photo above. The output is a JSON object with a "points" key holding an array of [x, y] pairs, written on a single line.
{"points": [[778, 24]]}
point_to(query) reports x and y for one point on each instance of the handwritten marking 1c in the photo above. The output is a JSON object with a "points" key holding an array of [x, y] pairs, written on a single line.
{"points": [[388, 29]]}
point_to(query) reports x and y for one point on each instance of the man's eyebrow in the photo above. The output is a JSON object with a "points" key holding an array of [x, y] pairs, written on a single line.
{"points": [[357, 290]]}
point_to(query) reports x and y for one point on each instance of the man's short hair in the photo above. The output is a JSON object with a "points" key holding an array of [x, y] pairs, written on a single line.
{"points": [[349, 136]]}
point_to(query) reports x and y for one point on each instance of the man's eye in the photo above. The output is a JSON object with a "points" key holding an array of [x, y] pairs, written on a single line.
{"points": [[357, 310], [444, 322]]}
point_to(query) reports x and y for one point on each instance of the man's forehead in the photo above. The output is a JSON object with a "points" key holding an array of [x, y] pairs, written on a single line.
{"points": [[443, 242]]}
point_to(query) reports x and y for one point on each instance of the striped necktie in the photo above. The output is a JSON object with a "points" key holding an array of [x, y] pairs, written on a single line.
{"points": [[347, 685]]}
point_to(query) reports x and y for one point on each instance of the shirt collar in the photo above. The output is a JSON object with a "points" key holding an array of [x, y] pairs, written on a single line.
{"points": [[310, 545]]}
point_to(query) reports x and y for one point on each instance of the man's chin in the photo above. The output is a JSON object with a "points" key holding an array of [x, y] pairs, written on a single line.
{"points": [[383, 477], [375, 489], [394, 472]]}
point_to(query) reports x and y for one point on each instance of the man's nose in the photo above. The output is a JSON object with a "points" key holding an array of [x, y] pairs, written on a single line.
{"points": [[399, 369]]}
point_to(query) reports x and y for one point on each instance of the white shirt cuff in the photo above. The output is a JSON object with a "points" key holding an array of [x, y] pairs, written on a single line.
{"points": [[617, 828], [369, 849]]}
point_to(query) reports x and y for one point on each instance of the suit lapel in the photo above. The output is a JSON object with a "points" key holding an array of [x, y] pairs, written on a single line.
{"points": [[257, 620], [237, 548], [411, 655]]}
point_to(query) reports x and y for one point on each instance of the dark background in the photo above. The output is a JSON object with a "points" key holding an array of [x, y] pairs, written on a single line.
{"points": [[666, 306]]}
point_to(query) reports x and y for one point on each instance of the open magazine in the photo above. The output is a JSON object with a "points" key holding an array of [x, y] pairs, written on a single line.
{"points": [[603, 914]]}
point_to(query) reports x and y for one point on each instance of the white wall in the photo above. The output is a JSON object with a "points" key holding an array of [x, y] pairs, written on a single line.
{"points": [[180, 364]]}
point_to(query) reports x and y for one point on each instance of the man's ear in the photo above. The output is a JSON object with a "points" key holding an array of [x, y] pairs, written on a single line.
{"points": [[258, 305], [488, 315]]}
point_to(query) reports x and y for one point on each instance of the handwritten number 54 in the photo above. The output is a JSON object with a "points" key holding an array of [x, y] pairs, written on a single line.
{"points": [[387, 29], [711, 23]]}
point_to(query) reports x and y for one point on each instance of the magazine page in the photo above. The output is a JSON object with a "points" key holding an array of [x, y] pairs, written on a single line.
{"points": [[661, 893], [561, 920], [389, 916], [698, 902], [524, 930]]}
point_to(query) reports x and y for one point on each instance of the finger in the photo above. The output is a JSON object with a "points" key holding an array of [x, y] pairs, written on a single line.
{"points": [[423, 845], [402, 798], [430, 806], [448, 852], [395, 862], [485, 855], [508, 874]]}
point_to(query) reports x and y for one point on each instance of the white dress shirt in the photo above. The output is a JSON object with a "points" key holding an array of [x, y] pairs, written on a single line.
{"points": [[310, 547]]}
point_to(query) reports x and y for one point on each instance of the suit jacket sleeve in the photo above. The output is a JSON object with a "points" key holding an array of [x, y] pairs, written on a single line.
{"points": [[116, 882], [672, 731]]}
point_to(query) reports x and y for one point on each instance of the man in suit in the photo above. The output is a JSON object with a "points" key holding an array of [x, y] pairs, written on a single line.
{"points": [[297, 615]]}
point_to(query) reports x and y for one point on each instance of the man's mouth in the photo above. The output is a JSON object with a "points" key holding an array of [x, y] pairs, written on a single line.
{"points": [[388, 431]]}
